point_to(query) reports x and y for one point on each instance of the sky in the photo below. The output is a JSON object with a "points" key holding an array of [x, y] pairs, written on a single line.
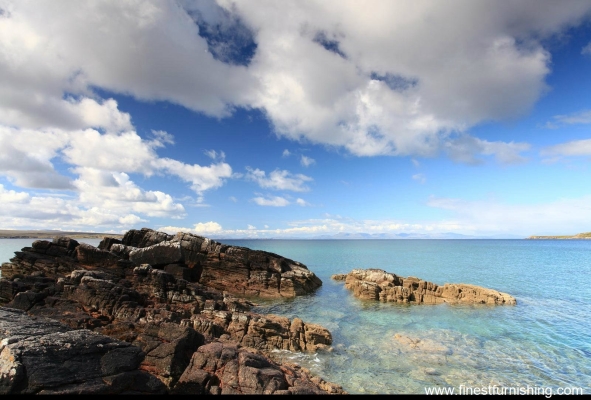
{"points": [[297, 119]]}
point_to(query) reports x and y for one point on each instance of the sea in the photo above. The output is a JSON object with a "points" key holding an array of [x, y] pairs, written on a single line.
{"points": [[541, 345]]}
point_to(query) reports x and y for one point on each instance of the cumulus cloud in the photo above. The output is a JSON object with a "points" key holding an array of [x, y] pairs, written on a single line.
{"points": [[200, 228], [99, 164], [286, 153], [202, 178], [307, 161], [379, 78], [273, 201], [21, 209], [48, 48], [392, 78], [116, 191], [279, 180], [302, 202], [586, 50], [30, 165]]}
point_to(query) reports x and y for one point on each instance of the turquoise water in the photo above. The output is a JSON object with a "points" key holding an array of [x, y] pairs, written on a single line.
{"points": [[544, 341]]}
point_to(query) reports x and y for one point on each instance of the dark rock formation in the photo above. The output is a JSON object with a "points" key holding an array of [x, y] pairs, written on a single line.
{"points": [[41, 356], [222, 368], [157, 317], [233, 269], [377, 284]]}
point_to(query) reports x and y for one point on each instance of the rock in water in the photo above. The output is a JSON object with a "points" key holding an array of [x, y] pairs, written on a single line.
{"points": [[86, 320], [377, 284]]}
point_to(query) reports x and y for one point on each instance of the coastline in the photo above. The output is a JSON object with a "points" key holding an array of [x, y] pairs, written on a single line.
{"points": [[48, 234]]}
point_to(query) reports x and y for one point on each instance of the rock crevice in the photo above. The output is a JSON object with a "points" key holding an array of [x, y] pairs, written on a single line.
{"points": [[149, 313]]}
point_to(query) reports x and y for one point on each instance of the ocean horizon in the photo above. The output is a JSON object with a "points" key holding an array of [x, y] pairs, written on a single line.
{"points": [[382, 348]]}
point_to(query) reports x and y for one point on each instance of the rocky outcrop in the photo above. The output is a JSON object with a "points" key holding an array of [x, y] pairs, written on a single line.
{"points": [[41, 356], [377, 284], [156, 316], [222, 368], [233, 269]]}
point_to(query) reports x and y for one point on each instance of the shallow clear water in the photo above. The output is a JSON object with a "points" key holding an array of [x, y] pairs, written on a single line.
{"points": [[543, 341]]}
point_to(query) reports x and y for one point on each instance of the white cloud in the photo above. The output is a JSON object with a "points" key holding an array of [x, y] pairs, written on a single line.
{"points": [[11, 196], [126, 152], [583, 117], [251, 227], [302, 202], [398, 85], [307, 161], [200, 228], [30, 165], [468, 149], [160, 139], [207, 227], [233, 199], [490, 216], [102, 192], [279, 180], [586, 50], [480, 218], [572, 148], [274, 201], [23, 210], [49, 48], [115, 191], [394, 84], [214, 155], [286, 153], [201, 178], [421, 178]]}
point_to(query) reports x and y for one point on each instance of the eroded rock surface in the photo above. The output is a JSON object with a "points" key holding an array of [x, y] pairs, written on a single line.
{"points": [[233, 269], [377, 284], [158, 317], [41, 356]]}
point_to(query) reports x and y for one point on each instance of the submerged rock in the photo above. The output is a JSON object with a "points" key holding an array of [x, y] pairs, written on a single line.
{"points": [[377, 284]]}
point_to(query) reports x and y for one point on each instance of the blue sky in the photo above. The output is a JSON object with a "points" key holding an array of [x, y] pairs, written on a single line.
{"points": [[296, 119]]}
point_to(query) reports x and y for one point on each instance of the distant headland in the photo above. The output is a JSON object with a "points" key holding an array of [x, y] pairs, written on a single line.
{"points": [[584, 235], [50, 234]]}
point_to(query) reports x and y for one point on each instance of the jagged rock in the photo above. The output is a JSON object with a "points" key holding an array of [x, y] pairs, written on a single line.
{"points": [[107, 242], [169, 348], [40, 356], [56, 258], [91, 256], [164, 311], [159, 254], [234, 269], [221, 368], [144, 237], [377, 284]]}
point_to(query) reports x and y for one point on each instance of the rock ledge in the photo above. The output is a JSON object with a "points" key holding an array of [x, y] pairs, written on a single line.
{"points": [[377, 284]]}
